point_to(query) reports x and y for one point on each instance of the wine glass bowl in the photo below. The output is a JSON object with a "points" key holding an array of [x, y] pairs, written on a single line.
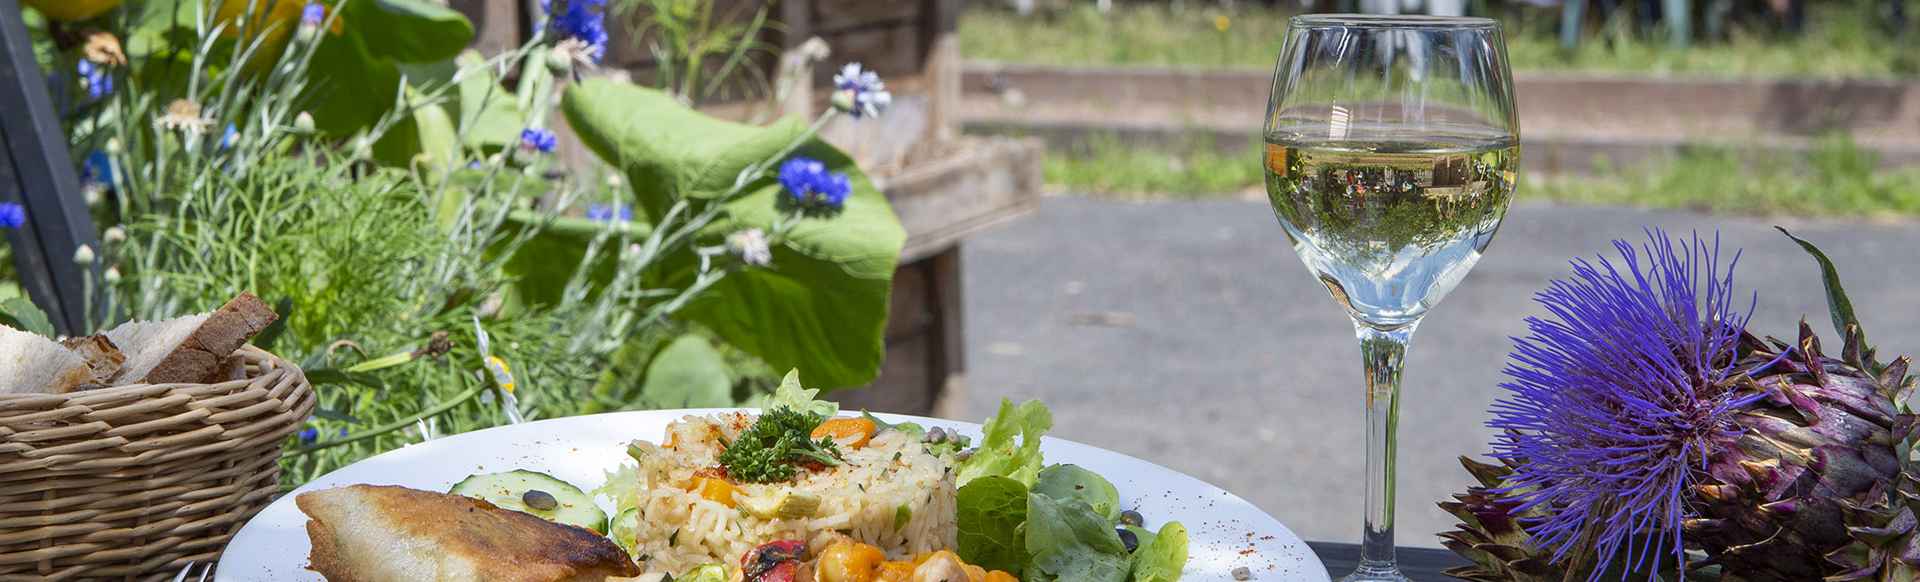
{"points": [[1392, 149]]}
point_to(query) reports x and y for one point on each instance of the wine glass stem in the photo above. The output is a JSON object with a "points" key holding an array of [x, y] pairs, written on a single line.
{"points": [[1384, 350]]}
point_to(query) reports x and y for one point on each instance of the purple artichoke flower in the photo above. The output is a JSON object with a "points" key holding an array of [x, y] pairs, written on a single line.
{"points": [[1616, 398]]}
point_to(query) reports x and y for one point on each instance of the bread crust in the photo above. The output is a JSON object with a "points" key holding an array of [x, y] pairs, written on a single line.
{"points": [[198, 359], [455, 537], [103, 358]]}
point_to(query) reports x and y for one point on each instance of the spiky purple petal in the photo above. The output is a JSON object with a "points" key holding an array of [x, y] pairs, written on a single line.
{"points": [[1616, 400]]}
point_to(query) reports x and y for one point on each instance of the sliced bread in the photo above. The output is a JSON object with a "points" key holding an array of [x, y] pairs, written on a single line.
{"points": [[31, 364], [103, 358], [191, 348]]}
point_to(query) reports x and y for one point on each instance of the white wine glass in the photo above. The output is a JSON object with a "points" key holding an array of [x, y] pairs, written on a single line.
{"points": [[1391, 151]]}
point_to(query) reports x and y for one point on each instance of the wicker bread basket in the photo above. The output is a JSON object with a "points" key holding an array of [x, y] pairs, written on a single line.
{"points": [[134, 482]]}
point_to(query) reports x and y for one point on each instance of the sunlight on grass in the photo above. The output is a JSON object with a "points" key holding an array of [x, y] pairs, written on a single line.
{"points": [[1192, 168], [1841, 41], [1834, 177]]}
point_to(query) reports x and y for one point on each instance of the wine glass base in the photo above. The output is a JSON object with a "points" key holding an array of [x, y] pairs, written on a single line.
{"points": [[1376, 573]]}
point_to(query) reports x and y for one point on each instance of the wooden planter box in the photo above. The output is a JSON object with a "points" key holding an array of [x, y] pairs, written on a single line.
{"points": [[943, 186]]}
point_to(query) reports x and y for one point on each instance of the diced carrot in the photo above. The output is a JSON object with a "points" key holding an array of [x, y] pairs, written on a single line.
{"points": [[847, 432], [717, 490], [999, 576]]}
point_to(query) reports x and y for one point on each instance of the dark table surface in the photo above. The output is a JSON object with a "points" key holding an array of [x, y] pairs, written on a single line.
{"points": [[1421, 564]]}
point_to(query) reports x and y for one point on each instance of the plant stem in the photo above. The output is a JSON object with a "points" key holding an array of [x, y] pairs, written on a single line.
{"points": [[395, 425]]}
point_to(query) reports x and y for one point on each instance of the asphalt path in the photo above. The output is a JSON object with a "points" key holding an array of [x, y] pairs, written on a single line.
{"points": [[1187, 333]]}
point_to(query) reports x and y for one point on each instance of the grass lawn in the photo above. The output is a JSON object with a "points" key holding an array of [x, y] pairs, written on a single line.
{"points": [[1841, 41], [1834, 178]]}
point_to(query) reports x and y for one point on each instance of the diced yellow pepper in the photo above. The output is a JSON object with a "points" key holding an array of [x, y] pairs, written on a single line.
{"points": [[716, 490]]}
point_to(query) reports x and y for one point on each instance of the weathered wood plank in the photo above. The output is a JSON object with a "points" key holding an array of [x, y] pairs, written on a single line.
{"points": [[988, 182]]}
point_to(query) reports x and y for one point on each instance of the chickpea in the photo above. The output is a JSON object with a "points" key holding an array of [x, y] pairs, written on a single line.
{"points": [[848, 562]]}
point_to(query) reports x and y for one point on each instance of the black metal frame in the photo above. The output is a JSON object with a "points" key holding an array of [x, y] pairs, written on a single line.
{"points": [[38, 172]]}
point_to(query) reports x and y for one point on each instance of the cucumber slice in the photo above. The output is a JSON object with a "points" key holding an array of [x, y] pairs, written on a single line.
{"points": [[509, 489], [624, 529]]}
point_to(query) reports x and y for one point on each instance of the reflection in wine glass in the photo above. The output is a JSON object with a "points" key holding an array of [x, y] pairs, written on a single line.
{"points": [[1391, 153]]}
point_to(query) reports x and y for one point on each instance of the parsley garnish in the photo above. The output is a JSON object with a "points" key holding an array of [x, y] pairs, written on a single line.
{"points": [[769, 450]]}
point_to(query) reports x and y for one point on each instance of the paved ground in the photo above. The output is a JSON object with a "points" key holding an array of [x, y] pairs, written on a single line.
{"points": [[1187, 333]]}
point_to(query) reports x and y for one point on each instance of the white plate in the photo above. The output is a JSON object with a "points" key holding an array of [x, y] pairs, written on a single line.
{"points": [[1225, 531]]}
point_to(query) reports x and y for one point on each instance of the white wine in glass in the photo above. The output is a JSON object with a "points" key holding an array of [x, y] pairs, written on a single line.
{"points": [[1391, 154]]}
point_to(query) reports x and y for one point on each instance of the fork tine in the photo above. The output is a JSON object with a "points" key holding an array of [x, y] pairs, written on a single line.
{"points": [[182, 576], [207, 572]]}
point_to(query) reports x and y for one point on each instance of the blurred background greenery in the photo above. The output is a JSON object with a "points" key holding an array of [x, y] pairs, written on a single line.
{"points": [[1832, 41]]}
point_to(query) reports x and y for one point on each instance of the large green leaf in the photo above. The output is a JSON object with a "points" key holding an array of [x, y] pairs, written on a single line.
{"points": [[409, 31], [687, 373], [488, 113], [821, 307], [356, 72]]}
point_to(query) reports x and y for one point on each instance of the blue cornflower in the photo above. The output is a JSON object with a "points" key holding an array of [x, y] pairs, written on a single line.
{"points": [[309, 435], [232, 135], [609, 212], [94, 79], [97, 169], [12, 215], [1615, 400], [313, 14], [811, 186], [582, 20], [537, 139], [859, 92]]}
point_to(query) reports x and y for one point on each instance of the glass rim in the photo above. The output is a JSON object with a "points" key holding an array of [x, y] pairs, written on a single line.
{"points": [[1393, 21]]}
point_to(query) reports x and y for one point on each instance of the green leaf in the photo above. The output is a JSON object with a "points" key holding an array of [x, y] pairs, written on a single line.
{"points": [[790, 394], [1838, 306], [1074, 482], [687, 373], [357, 71], [20, 313], [821, 306], [488, 113], [999, 454], [409, 31], [1161, 556], [1070, 542], [988, 514]]}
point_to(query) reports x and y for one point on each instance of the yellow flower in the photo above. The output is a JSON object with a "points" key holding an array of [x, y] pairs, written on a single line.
{"points": [[72, 10], [1221, 22]]}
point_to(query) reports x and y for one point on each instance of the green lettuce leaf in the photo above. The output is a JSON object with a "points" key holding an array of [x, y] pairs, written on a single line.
{"points": [[988, 515], [791, 395], [1073, 482], [1161, 556], [1069, 541], [1000, 455]]}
